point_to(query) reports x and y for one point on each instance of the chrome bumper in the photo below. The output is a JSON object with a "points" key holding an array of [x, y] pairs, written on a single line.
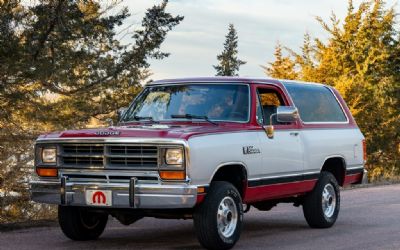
{"points": [[124, 195], [365, 177]]}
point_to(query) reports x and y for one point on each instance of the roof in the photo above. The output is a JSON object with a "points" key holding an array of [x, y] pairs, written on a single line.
{"points": [[222, 79], [231, 79]]}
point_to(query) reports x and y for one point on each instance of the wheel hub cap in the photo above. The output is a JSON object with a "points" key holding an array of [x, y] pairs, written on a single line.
{"points": [[328, 200], [227, 217]]}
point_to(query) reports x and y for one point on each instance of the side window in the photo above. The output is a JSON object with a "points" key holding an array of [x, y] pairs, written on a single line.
{"points": [[268, 102], [315, 103]]}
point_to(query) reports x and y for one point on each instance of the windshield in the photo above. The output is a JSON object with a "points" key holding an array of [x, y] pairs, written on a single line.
{"points": [[216, 102]]}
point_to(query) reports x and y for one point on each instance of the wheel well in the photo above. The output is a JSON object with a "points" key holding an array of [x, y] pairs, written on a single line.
{"points": [[337, 167], [234, 174]]}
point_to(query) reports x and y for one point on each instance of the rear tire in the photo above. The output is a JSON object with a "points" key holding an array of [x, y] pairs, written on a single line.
{"points": [[80, 223], [218, 220], [321, 206]]}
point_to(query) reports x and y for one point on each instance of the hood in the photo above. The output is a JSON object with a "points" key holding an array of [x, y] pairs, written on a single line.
{"points": [[172, 131]]}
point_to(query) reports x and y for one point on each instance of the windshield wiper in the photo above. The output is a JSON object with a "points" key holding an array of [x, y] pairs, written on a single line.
{"points": [[141, 118], [190, 117]]}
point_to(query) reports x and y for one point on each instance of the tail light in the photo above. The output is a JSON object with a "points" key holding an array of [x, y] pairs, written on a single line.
{"points": [[364, 144]]}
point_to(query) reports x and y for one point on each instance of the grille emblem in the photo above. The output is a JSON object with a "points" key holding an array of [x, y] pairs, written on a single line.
{"points": [[99, 197]]}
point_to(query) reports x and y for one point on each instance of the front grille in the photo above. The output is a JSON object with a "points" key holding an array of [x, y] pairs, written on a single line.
{"points": [[132, 156], [83, 149], [109, 156], [79, 160]]}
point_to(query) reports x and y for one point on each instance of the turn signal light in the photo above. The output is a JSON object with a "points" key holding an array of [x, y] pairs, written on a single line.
{"points": [[172, 175], [364, 150], [47, 172]]}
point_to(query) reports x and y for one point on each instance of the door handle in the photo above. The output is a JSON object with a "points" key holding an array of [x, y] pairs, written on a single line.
{"points": [[294, 133]]}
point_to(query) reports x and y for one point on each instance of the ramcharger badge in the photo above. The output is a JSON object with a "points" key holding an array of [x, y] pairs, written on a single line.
{"points": [[250, 150]]}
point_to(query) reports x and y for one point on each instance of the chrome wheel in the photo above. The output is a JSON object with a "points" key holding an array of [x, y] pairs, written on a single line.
{"points": [[227, 217], [328, 200]]}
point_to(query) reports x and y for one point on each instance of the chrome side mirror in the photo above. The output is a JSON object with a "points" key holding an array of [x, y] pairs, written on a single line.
{"points": [[283, 114], [286, 114]]}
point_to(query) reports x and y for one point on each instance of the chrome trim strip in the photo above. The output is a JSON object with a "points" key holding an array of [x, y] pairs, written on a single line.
{"points": [[353, 168], [280, 176], [132, 185]]}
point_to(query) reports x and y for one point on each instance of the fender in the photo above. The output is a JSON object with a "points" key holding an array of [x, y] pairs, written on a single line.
{"points": [[227, 164]]}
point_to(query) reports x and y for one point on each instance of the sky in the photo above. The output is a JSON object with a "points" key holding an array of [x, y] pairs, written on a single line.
{"points": [[196, 41]]}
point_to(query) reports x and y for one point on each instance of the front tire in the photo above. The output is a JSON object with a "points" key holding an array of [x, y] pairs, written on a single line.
{"points": [[218, 220], [321, 206], [81, 224]]}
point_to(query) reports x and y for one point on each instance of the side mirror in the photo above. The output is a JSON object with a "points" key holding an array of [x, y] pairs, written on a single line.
{"points": [[283, 114], [121, 112], [287, 114]]}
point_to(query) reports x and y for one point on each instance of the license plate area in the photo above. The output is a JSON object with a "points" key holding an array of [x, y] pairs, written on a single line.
{"points": [[98, 198]]}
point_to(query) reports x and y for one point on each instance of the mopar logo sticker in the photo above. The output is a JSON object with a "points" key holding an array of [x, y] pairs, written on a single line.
{"points": [[107, 133], [250, 150]]}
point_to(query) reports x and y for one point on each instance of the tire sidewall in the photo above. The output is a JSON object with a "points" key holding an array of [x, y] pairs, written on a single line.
{"points": [[328, 178], [206, 217], [234, 194], [71, 223], [332, 219]]}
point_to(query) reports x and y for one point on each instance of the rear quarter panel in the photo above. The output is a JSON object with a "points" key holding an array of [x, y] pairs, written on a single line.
{"points": [[322, 143]]}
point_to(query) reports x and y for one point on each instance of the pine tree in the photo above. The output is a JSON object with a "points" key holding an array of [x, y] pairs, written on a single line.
{"points": [[62, 65], [361, 60], [229, 63], [282, 68]]}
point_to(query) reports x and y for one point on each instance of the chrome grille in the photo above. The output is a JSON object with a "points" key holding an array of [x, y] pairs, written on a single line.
{"points": [[108, 156], [82, 160], [83, 149], [132, 156]]}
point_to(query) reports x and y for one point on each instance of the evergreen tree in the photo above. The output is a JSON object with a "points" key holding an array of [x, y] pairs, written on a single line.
{"points": [[229, 63], [361, 59], [283, 67], [61, 66]]}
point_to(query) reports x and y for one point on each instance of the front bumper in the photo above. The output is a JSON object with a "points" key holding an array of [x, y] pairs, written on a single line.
{"points": [[124, 195]]}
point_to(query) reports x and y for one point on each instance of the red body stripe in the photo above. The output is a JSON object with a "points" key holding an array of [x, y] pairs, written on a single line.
{"points": [[353, 178], [277, 191], [283, 190]]}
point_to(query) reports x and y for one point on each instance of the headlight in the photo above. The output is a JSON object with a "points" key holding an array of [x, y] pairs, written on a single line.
{"points": [[49, 155], [174, 156]]}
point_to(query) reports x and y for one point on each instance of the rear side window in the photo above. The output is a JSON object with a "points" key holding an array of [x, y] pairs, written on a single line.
{"points": [[315, 103]]}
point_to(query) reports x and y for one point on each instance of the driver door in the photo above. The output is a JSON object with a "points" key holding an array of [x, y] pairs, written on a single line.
{"points": [[282, 156]]}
